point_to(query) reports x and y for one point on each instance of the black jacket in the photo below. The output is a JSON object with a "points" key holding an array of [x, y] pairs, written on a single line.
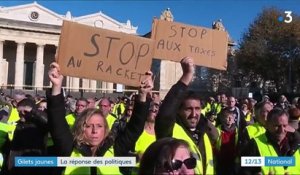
{"points": [[29, 139], [63, 138], [167, 116], [288, 149]]}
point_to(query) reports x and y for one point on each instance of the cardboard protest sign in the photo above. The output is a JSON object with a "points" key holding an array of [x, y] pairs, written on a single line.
{"points": [[173, 41], [94, 53]]}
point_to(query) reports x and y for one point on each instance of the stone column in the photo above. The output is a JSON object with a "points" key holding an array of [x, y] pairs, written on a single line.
{"points": [[1, 64], [39, 68], [93, 85], [68, 84], [103, 86], [1, 50], [86, 84], [110, 87], [170, 73], [3, 67], [75, 84], [19, 66]]}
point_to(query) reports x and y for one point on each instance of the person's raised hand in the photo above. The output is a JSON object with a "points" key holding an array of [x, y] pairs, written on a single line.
{"points": [[56, 78], [188, 70], [146, 86]]}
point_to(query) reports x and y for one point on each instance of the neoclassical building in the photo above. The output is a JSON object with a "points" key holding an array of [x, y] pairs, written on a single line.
{"points": [[29, 36]]}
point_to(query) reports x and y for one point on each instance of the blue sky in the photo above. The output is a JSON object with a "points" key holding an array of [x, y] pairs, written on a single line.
{"points": [[235, 14]]}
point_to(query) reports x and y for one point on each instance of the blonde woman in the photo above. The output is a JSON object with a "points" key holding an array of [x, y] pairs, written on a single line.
{"points": [[90, 133]]}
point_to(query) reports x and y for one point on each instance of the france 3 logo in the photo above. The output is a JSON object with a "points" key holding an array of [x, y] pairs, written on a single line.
{"points": [[288, 18]]}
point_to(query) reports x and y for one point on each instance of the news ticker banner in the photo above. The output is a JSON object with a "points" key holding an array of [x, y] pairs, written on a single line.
{"points": [[267, 161], [74, 161], [131, 161]]}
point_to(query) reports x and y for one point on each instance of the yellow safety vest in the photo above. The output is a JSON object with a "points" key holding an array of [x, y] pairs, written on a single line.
{"points": [[143, 142], [266, 149], [73, 170], [219, 140], [14, 116], [255, 130], [71, 118], [248, 117], [206, 109], [122, 107], [110, 120], [217, 107], [6, 128], [179, 133], [118, 106]]}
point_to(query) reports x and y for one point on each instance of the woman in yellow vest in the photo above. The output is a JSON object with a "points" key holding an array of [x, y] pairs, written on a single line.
{"points": [[90, 132], [168, 156]]}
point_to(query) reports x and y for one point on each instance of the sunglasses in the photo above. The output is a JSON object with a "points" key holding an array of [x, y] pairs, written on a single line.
{"points": [[190, 163]]}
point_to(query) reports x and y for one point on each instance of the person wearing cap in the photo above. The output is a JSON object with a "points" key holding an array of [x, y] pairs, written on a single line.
{"points": [[265, 98]]}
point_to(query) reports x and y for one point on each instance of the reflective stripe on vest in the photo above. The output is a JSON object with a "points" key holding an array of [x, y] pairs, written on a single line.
{"points": [[219, 140], [72, 170], [179, 133], [255, 130], [266, 149]]}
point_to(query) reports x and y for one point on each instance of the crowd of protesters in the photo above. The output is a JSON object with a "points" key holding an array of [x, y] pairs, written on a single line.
{"points": [[181, 134]]}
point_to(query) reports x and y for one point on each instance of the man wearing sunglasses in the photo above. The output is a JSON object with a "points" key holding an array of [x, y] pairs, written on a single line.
{"points": [[179, 117]]}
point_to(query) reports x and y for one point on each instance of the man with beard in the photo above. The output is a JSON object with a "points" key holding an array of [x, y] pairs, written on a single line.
{"points": [[279, 140], [179, 117]]}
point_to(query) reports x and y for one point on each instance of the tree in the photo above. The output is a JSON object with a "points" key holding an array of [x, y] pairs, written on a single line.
{"points": [[270, 51]]}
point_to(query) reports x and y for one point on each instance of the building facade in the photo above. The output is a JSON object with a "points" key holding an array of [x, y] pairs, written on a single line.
{"points": [[29, 36]]}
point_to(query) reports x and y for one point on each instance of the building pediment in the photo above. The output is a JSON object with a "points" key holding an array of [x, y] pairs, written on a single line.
{"points": [[33, 13], [36, 14], [103, 21]]}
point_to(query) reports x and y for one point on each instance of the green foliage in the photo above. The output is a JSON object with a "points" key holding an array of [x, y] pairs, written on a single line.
{"points": [[267, 48]]}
